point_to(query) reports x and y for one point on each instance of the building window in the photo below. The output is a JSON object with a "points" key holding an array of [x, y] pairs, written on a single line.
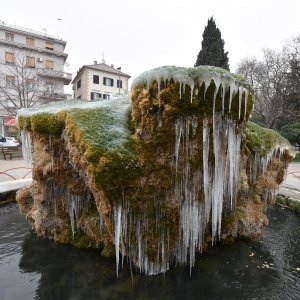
{"points": [[78, 84], [79, 97], [49, 64], [106, 96], [95, 96], [50, 87], [9, 58], [31, 84], [96, 79], [10, 81], [108, 81], [30, 61], [30, 41], [119, 84], [49, 46], [9, 36]]}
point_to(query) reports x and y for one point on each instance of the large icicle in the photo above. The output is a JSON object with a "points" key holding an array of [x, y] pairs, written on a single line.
{"points": [[26, 147], [118, 233]]}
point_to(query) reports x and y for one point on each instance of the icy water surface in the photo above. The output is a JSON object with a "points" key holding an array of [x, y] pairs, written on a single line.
{"points": [[33, 268]]}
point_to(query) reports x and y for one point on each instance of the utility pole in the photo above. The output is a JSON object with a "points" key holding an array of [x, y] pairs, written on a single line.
{"points": [[119, 80]]}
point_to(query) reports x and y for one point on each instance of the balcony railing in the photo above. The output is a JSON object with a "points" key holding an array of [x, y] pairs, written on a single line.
{"points": [[32, 48], [53, 96], [67, 77], [27, 30]]}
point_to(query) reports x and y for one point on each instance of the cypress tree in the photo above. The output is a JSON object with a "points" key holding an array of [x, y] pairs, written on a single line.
{"points": [[212, 52]]}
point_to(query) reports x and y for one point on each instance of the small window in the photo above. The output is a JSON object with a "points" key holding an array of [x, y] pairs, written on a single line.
{"points": [[108, 81], [31, 84], [96, 79], [79, 97], [119, 84], [106, 96], [9, 58], [30, 41], [50, 87], [10, 81], [79, 84], [49, 46], [9, 36], [30, 62], [95, 96], [49, 64]]}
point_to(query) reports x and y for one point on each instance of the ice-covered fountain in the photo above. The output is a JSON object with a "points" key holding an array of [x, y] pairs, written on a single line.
{"points": [[157, 177]]}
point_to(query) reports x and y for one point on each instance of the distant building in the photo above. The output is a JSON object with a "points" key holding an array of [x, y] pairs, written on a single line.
{"points": [[38, 52], [99, 81]]}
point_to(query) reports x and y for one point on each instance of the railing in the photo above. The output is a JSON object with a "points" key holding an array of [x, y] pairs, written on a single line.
{"points": [[5, 172], [38, 49], [54, 96], [52, 73], [36, 32]]}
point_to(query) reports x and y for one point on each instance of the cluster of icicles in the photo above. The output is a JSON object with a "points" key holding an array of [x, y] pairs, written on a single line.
{"points": [[196, 77], [219, 181], [258, 164], [72, 203]]}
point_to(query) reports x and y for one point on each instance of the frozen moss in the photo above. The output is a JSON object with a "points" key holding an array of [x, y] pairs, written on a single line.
{"points": [[263, 140]]}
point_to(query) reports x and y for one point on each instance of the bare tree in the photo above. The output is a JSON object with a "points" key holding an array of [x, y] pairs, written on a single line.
{"points": [[274, 79], [20, 84]]}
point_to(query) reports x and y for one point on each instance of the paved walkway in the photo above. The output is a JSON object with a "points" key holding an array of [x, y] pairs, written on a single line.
{"points": [[291, 186], [14, 169], [14, 174]]}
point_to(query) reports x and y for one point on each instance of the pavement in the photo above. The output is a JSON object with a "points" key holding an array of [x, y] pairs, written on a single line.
{"points": [[291, 186], [14, 174]]}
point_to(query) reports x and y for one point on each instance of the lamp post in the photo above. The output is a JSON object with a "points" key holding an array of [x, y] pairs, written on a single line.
{"points": [[119, 79]]}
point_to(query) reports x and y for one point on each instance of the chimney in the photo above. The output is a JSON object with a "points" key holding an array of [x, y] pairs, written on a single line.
{"points": [[95, 62], [112, 65]]}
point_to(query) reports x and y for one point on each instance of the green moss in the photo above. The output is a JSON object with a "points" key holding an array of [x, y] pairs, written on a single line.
{"points": [[262, 140], [24, 123], [286, 201], [46, 124], [108, 251], [103, 128], [80, 240], [116, 172]]}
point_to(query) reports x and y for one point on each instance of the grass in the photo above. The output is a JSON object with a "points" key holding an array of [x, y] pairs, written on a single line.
{"points": [[288, 202]]}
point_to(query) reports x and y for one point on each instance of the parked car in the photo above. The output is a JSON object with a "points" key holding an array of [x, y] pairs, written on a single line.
{"points": [[8, 141], [12, 139]]}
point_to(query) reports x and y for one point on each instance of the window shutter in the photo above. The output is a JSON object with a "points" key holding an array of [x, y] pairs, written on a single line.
{"points": [[30, 61], [29, 41], [9, 57], [50, 64], [49, 46]]}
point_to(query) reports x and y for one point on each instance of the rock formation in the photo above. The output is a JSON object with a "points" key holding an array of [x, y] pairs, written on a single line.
{"points": [[157, 177]]}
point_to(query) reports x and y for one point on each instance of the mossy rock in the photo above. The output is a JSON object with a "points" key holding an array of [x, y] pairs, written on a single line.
{"points": [[262, 140]]}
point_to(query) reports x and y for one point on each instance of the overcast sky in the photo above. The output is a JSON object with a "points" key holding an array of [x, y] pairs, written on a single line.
{"points": [[139, 35]]}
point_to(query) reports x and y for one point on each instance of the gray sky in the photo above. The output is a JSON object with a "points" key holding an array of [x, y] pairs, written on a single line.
{"points": [[140, 35]]}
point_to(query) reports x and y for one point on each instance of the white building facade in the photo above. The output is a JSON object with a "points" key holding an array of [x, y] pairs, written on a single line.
{"points": [[99, 81], [38, 54]]}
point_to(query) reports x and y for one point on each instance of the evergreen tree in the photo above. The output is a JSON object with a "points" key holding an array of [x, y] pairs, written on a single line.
{"points": [[212, 52]]}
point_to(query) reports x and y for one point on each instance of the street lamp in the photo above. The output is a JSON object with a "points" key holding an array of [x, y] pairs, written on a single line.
{"points": [[119, 79]]}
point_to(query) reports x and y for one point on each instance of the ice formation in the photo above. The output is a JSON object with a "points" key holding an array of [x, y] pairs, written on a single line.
{"points": [[163, 223], [26, 147], [191, 77]]}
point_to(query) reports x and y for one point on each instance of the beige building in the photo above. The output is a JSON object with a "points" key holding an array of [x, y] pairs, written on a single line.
{"points": [[99, 81], [41, 58]]}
